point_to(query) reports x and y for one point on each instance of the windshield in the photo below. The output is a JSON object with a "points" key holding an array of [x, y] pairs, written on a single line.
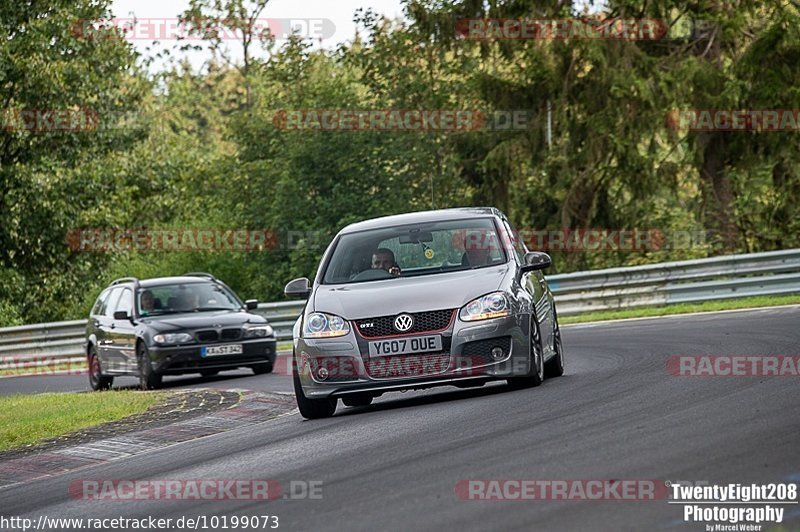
{"points": [[188, 297], [414, 250]]}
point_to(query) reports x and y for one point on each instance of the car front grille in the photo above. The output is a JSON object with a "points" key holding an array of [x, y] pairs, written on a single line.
{"points": [[207, 336], [231, 334], [214, 335], [434, 320], [404, 366]]}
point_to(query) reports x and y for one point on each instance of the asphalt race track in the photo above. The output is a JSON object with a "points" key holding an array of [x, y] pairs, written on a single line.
{"points": [[616, 414]]}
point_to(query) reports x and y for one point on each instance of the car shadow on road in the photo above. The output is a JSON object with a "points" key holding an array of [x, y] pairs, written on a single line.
{"points": [[441, 396], [447, 394]]}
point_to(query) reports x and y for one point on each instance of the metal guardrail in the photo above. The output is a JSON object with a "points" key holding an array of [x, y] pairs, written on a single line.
{"points": [[726, 277], [771, 273]]}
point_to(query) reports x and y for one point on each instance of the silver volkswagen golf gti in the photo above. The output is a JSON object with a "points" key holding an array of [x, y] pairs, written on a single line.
{"points": [[447, 297]]}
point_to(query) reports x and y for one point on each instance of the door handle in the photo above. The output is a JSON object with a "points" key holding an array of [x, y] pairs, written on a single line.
{"points": [[113, 326]]}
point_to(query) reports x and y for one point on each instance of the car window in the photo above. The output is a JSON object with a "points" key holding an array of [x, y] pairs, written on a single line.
{"points": [[111, 302], [125, 302], [417, 249], [99, 305]]}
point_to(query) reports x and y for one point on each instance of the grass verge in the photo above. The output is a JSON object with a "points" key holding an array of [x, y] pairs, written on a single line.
{"points": [[683, 308], [27, 419]]}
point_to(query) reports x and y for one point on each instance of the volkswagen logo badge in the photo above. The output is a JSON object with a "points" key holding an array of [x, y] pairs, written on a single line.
{"points": [[403, 322]]}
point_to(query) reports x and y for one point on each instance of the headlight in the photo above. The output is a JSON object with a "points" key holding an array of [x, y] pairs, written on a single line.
{"points": [[259, 331], [321, 325], [494, 305], [173, 338]]}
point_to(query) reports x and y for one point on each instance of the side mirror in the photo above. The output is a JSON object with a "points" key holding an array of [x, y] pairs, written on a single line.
{"points": [[251, 304], [535, 260], [121, 315], [298, 288]]}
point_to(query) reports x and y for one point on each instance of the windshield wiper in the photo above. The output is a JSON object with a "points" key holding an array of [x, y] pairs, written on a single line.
{"points": [[208, 309]]}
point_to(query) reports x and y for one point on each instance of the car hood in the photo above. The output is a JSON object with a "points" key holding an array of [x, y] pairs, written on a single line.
{"points": [[200, 320], [410, 294]]}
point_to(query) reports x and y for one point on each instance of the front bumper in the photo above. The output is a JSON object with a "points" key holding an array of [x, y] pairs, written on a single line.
{"points": [[465, 358], [188, 359]]}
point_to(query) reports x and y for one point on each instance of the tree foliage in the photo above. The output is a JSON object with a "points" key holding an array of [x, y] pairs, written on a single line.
{"points": [[210, 149]]}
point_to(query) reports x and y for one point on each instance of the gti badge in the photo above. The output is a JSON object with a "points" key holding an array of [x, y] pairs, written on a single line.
{"points": [[403, 322]]}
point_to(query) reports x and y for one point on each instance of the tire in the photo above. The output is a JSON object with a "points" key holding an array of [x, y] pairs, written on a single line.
{"points": [[148, 379], [262, 369], [209, 372], [311, 408], [97, 380], [537, 377], [357, 400], [555, 366]]}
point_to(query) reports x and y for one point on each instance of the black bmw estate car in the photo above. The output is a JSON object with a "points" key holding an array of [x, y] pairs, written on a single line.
{"points": [[172, 326]]}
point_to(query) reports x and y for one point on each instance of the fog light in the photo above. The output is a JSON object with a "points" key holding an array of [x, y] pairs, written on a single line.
{"points": [[322, 373], [498, 353]]}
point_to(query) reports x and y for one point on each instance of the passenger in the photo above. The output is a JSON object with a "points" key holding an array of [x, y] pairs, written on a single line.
{"points": [[476, 251]]}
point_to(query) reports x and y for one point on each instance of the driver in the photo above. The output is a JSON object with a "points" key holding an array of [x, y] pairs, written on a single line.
{"points": [[383, 259]]}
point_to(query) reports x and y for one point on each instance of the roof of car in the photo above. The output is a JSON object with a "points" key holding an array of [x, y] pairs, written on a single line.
{"points": [[422, 217], [174, 280], [159, 281]]}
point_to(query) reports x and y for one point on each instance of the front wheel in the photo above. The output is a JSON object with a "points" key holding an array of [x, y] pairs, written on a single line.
{"points": [[537, 360], [148, 379], [311, 408], [97, 380]]}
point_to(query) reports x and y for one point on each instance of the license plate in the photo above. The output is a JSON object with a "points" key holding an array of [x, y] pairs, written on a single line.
{"points": [[405, 346], [216, 350]]}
